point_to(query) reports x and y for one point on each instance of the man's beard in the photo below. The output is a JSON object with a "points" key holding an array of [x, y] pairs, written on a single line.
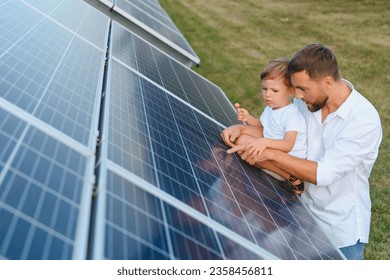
{"points": [[314, 107]]}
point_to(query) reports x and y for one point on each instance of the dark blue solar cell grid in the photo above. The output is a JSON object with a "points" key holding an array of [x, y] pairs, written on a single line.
{"points": [[157, 13], [161, 27], [11, 129], [40, 197], [16, 21], [175, 77], [27, 68], [134, 226], [145, 60], [55, 75], [128, 143], [79, 17], [140, 226], [173, 168], [122, 45]]}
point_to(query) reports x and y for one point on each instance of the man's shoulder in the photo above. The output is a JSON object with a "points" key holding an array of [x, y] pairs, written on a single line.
{"points": [[362, 108]]}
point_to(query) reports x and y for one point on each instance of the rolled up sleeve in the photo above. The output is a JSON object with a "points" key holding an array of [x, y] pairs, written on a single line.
{"points": [[325, 174], [357, 146]]}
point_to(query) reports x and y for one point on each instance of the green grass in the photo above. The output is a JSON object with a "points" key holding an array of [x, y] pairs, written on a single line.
{"points": [[235, 39]]}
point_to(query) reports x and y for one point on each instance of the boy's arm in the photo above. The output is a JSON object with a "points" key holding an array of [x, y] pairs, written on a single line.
{"points": [[284, 145], [244, 116], [257, 146]]}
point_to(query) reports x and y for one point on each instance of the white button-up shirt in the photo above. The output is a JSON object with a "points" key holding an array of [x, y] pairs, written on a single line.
{"points": [[345, 146]]}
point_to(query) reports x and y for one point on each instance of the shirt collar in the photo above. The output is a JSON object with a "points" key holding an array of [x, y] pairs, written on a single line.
{"points": [[349, 103], [344, 108]]}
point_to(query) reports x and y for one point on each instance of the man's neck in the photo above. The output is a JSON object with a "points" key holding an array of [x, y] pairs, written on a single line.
{"points": [[337, 96]]}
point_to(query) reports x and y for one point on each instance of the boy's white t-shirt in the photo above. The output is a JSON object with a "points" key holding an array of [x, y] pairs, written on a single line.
{"points": [[277, 122]]}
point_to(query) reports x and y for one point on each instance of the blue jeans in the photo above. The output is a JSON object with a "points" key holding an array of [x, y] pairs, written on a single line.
{"points": [[354, 252]]}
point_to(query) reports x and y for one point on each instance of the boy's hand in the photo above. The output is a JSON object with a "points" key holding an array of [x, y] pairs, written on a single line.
{"points": [[242, 114]]}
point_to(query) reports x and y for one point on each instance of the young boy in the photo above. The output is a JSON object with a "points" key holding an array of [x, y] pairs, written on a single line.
{"points": [[281, 126]]}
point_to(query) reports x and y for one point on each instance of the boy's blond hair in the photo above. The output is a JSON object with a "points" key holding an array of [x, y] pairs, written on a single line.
{"points": [[275, 69]]}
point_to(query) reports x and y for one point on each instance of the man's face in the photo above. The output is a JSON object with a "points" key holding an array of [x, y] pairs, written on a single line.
{"points": [[310, 91]]}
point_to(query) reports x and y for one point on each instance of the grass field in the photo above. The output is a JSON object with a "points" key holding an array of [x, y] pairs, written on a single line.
{"points": [[235, 39]]}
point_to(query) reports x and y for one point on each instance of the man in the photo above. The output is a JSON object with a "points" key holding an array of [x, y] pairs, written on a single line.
{"points": [[344, 133]]}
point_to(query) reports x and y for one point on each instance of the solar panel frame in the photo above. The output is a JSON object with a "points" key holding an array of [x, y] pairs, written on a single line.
{"points": [[178, 43]]}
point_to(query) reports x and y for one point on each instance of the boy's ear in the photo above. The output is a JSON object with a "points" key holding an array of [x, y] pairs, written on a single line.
{"points": [[291, 91]]}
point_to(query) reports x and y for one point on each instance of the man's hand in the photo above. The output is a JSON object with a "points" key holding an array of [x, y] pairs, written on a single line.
{"points": [[246, 153], [229, 135]]}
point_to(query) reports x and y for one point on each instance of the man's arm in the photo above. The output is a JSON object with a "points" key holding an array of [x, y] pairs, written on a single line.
{"points": [[303, 169]]}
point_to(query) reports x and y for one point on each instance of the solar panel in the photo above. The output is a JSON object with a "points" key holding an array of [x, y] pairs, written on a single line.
{"points": [[57, 78], [154, 20], [183, 82], [159, 146], [45, 193], [51, 64], [157, 183]]}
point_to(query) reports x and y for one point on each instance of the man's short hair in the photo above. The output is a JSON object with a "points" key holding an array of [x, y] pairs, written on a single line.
{"points": [[318, 62]]}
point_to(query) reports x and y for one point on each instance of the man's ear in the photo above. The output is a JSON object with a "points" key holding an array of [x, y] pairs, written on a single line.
{"points": [[328, 81]]}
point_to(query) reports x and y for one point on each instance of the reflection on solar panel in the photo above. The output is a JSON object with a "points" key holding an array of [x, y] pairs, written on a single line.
{"points": [[157, 182]]}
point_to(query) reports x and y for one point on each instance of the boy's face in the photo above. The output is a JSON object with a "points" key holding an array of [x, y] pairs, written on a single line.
{"points": [[275, 93]]}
